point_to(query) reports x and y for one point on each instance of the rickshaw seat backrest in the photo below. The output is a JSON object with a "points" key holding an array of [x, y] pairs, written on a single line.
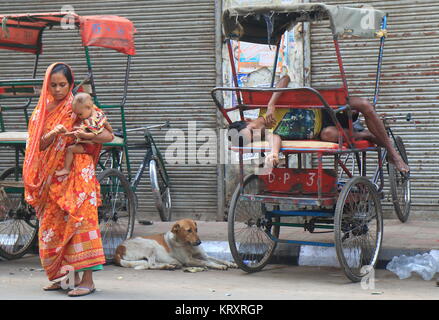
{"points": [[299, 98], [23, 88]]}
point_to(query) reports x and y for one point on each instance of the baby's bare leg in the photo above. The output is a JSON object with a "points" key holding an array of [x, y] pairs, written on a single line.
{"points": [[74, 149]]}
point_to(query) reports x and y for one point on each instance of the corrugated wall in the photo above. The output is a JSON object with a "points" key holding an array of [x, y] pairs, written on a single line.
{"points": [[410, 84], [171, 77]]}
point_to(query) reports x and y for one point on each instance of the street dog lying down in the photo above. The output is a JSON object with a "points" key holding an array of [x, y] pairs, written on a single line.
{"points": [[171, 250]]}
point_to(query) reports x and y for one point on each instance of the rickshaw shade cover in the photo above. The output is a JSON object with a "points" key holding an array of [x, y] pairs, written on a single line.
{"points": [[23, 32], [265, 24]]}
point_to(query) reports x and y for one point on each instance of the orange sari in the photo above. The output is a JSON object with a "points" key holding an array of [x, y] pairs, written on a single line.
{"points": [[66, 206]]}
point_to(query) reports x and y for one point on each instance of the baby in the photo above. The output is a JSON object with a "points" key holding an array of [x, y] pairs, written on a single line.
{"points": [[93, 122], [256, 130]]}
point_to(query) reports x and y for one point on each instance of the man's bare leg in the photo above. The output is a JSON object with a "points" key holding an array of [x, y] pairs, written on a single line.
{"points": [[378, 131]]}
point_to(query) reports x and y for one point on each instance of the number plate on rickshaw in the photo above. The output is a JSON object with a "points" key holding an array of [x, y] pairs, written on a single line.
{"points": [[299, 181]]}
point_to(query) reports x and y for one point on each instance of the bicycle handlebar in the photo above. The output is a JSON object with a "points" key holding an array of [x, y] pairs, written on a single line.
{"points": [[166, 124]]}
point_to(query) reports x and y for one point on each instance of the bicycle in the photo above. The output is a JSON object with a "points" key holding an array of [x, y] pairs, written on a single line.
{"points": [[159, 178]]}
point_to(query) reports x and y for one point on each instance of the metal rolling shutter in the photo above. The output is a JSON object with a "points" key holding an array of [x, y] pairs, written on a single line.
{"points": [[409, 84], [171, 77]]}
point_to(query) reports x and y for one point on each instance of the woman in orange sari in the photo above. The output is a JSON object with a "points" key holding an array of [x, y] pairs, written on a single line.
{"points": [[69, 237]]}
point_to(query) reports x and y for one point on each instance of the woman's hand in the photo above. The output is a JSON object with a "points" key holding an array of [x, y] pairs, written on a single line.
{"points": [[59, 129], [48, 138]]}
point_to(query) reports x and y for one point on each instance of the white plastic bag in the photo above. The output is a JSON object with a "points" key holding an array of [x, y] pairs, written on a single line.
{"points": [[426, 265]]}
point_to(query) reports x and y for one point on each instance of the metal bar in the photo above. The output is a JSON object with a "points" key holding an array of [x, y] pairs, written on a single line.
{"points": [[234, 74], [221, 168], [310, 243], [127, 75], [301, 225], [302, 213], [275, 63], [149, 127], [90, 72], [141, 170], [319, 174], [380, 62], [345, 169], [241, 172]]}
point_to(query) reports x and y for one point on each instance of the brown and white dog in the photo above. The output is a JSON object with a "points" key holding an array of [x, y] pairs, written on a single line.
{"points": [[174, 249]]}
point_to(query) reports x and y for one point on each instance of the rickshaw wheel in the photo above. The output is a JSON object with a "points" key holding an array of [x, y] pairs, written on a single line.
{"points": [[117, 212], [358, 226], [400, 185], [19, 224], [248, 229], [160, 189]]}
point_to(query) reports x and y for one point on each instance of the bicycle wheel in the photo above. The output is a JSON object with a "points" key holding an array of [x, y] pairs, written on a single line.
{"points": [[160, 189], [18, 222], [117, 212], [400, 185], [358, 226], [249, 229]]}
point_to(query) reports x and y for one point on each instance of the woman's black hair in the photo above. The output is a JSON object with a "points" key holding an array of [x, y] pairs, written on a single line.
{"points": [[65, 70]]}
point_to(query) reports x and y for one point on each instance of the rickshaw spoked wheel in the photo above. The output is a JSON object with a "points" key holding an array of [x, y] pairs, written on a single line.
{"points": [[18, 222], [117, 212], [400, 184], [248, 229], [358, 224]]}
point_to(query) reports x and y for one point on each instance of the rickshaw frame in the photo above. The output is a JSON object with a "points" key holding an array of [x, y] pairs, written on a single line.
{"points": [[245, 24], [23, 32]]}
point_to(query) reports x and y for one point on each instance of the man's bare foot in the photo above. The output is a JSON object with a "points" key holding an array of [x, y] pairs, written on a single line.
{"points": [[399, 163], [62, 172]]}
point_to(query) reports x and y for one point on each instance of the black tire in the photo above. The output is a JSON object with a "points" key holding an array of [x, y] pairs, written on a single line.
{"points": [[248, 229], [400, 185], [358, 224], [117, 212], [19, 225], [161, 190]]}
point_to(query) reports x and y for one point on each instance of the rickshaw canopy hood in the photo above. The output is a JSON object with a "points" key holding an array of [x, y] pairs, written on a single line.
{"points": [[267, 23], [23, 32]]}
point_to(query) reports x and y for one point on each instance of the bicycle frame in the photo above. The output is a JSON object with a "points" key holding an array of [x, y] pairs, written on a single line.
{"points": [[152, 152]]}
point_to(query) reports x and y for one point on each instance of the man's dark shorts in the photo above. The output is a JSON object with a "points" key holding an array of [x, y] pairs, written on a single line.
{"points": [[341, 116]]}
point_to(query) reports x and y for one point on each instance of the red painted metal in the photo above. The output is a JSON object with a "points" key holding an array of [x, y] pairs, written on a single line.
{"points": [[300, 181], [234, 74], [298, 99], [345, 169]]}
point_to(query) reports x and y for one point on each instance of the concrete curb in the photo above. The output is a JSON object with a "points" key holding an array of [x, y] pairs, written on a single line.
{"points": [[305, 255]]}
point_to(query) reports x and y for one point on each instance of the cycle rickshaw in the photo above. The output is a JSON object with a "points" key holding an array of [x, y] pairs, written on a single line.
{"points": [[332, 196], [18, 223]]}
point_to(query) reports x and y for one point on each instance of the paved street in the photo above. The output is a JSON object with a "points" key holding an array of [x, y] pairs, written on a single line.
{"points": [[23, 279]]}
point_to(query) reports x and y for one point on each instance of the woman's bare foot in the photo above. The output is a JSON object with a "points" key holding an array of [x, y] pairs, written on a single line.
{"points": [[86, 286], [62, 172], [57, 285]]}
